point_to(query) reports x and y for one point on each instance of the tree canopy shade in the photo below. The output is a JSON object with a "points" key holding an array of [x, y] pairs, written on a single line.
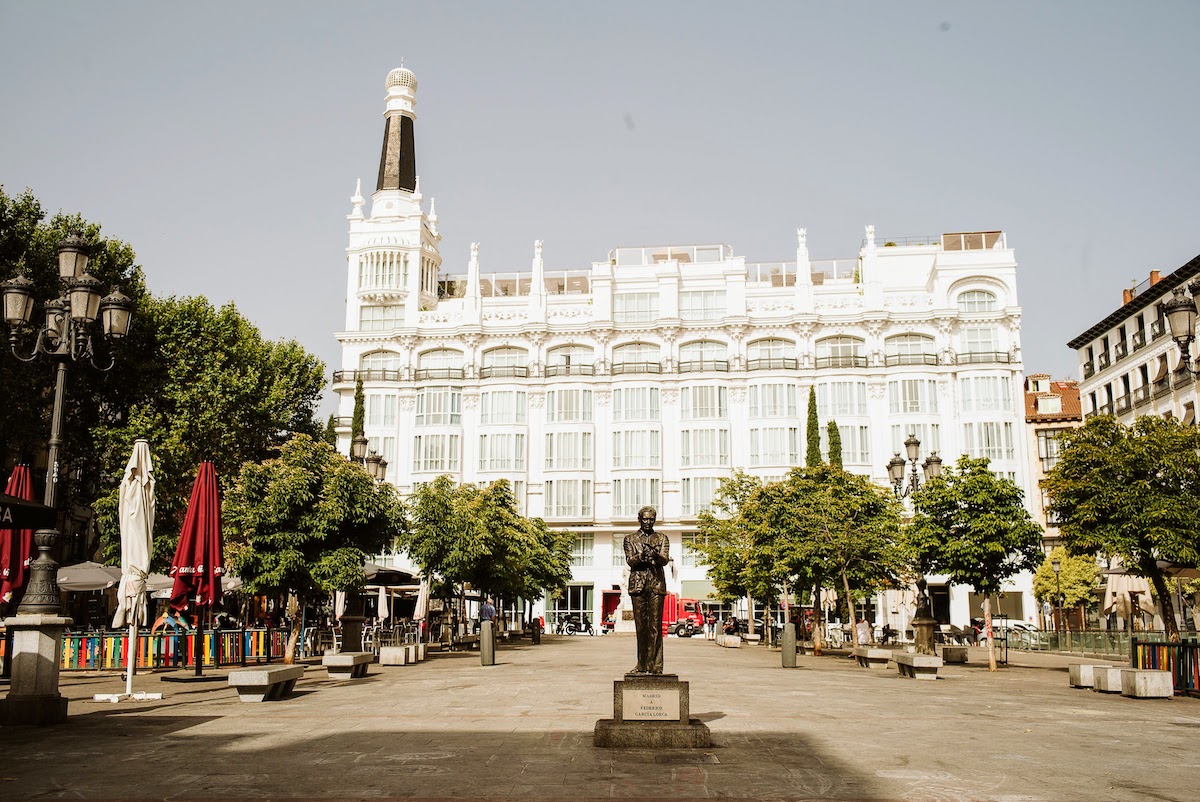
{"points": [[972, 526], [729, 539], [812, 453], [1130, 492]]}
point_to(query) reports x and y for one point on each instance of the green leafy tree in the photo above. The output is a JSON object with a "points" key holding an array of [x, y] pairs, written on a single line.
{"points": [[1130, 492], [1075, 579], [305, 522], [972, 526], [812, 455], [330, 433], [835, 444]]}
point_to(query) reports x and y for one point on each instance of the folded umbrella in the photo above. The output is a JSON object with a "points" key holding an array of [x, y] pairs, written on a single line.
{"points": [[19, 516], [199, 559]]}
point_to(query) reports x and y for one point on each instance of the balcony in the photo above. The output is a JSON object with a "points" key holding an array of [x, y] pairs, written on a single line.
{"points": [[1161, 387], [703, 365], [1139, 339], [1103, 361], [624, 368], [841, 362], [1105, 409], [375, 375], [1124, 403], [1141, 396], [1157, 329], [570, 370], [1120, 351], [1182, 378], [439, 373], [503, 371], [774, 363], [984, 358], [910, 359], [1089, 370]]}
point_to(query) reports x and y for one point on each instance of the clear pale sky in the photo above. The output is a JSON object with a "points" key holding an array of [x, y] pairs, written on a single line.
{"points": [[222, 140]]}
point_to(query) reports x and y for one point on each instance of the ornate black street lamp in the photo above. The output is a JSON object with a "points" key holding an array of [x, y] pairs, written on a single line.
{"points": [[932, 468], [358, 448], [1181, 318], [376, 466]]}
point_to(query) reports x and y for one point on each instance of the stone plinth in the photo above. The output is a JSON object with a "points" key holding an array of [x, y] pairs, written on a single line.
{"points": [[872, 658], [1144, 683], [33, 696], [953, 654], [1107, 680], [1082, 675], [651, 711], [918, 666]]}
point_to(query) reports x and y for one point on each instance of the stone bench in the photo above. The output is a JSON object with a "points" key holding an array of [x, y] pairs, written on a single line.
{"points": [[1082, 675], [1145, 683], [1106, 679], [347, 665], [406, 654], [729, 641], [755, 638], [872, 658], [953, 654], [265, 684], [917, 666]]}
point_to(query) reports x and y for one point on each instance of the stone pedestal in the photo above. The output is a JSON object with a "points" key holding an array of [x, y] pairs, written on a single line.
{"points": [[923, 635], [487, 643], [651, 711], [789, 646], [33, 696]]}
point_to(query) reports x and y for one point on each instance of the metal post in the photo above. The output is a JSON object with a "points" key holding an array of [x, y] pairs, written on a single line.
{"points": [[50, 497], [487, 643], [789, 645]]}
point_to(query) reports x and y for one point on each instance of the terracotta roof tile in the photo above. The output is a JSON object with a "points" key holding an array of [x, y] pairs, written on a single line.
{"points": [[1071, 408]]}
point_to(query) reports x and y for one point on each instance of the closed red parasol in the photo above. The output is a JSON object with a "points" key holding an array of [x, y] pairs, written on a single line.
{"points": [[16, 545], [199, 559]]}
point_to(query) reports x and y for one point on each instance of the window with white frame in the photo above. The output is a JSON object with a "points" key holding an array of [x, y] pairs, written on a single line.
{"points": [[698, 493], [502, 452], [439, 406], [381, 409], [637, 448], [912, 396], [985, 394], [505, 358], [773, 348], [839, 351], [381, 360], [384, 447], [582, 551], [704, 401], [701, 448], [568, 406], [1049, 448], [856, 443], [929, 434], [635, 307], [990, 439], [692, 557], [702, 304], [635, 403], [440, 358], [436, 452], [570, 356], [568, 451], [775, 446], [380, 318], [630, 495], [383, 270], [635, 353], [980, 339], [568, 498], [502, 406], [773, 400], [703, 351], [977, 301], [618, 551], [841, 398], [909, 345]]}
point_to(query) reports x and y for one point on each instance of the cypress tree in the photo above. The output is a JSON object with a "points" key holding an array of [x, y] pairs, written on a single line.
{"points": [[835, 444], [330, 433], [812, 455]]}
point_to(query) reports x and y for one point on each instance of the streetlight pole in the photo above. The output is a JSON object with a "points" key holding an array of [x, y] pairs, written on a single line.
{"points": [[1056, 564], [931, 467]]}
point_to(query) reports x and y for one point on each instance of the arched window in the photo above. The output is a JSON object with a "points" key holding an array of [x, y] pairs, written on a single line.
{"points": [[441, 363], [570, 360], [505, 362], [380, 366], [910, 349], [977, 301], [636, 358], [703, 355], [771, 354], [840, 352]]}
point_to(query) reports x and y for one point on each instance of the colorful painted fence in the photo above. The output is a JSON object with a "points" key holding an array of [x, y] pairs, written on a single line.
{"points": [[106, 650], [1181, 659]]}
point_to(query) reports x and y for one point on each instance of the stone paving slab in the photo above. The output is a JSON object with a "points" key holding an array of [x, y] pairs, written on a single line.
{"points": [[452, 729]]}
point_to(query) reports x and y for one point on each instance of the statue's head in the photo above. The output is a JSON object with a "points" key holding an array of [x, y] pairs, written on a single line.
{"points": [[646, 518]]}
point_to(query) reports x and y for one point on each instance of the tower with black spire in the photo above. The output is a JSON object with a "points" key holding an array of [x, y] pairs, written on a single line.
{"points": [[398, 162]]}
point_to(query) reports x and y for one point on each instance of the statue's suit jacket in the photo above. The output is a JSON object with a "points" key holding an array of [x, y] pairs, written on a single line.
{"points": [[643, 578]]}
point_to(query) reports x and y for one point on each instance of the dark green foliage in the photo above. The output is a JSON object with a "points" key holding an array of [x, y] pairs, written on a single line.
{"points": [[835, 444], [358, 423], [812, 455], [330, 433]]}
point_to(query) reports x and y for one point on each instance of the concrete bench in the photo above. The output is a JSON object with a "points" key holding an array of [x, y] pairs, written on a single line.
{"points": [[954, 654], [917, 666], [1082, 675], [467, 642], [1145, 683], [266, 683], [1107, 679], [755, 638], [347, 665], [729, 641], [398, 655], [872, 658]]}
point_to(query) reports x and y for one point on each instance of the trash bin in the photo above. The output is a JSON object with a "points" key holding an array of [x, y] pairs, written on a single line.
{"points": [[535, 634]]}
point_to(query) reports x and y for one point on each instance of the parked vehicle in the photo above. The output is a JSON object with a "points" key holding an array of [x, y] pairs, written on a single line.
{"points": [[682, 617], [573, 624]]}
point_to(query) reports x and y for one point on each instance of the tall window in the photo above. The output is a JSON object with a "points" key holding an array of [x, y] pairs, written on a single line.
{"points": [[929, 434], [502, 406], [771, 349], [380, 360], [641, 354], [440, 358], [772, 400], [568, 451], [1049, 448], [698, 494], [380, 318], [568, 406], [635, 307], [980, 339], [505, 362], [630, 495], [705, 401], [569, 498], [383, 270], [570, 360], [702, 305], [693, 557], [856, 443], [985, 394], [704, 354], [910, 349], [439, 406], [618, 551], [502, 452], [582, 551], [637, 448], [701, 448], [841, 398], [840, 352], [635, 403], [436, 452], [912, 395], [990, 439], [775, 446], [381, 409], [384, 447], [977, 301]]}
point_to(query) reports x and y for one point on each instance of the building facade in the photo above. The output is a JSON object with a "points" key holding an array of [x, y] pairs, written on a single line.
{"points": [[1051, 407], [647, 376]]}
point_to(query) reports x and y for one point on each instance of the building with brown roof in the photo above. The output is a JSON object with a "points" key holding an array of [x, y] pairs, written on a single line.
{"points": [[1050, 408]]}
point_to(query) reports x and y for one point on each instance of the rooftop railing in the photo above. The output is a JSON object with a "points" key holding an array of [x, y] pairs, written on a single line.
{"points": [[656, 254]]}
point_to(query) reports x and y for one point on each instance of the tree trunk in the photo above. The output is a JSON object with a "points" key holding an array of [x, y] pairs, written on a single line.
{"points": [[850, 611], [1165, 605], [987, 627], [289, 653], [818, 634], [749, 614]]}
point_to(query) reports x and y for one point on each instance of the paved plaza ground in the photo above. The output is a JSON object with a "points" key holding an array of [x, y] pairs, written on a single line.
{"points": [[449, 728]]}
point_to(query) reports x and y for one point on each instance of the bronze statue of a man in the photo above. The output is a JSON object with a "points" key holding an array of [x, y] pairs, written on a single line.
{"points": [[647, 552]]}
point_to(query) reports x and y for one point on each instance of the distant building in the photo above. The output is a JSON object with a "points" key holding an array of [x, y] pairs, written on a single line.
{"points": [[1050, 408], [647, 376]]}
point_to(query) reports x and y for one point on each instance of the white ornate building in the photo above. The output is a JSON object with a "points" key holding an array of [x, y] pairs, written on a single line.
{"points": [[647, 376]]}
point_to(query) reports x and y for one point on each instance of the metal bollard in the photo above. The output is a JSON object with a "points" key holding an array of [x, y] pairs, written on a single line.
{"points": [[487, 643], [789, 645], [535, 632]]}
